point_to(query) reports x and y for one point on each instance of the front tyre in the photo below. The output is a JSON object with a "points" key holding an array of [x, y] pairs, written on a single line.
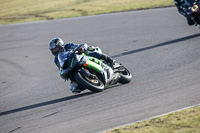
{"points": [[95, 85]]}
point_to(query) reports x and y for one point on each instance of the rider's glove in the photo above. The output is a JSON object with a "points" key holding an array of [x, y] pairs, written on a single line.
{"points": [[81, 50]]}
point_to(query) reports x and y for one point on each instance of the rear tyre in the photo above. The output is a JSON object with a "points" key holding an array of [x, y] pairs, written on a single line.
{"points": [[95, 85], [125, 76]]}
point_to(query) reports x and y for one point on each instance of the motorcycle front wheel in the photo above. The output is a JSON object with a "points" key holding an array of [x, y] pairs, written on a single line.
{"points": [[93, 84]]}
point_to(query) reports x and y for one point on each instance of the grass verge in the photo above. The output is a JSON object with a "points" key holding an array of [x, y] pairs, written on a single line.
{"points": [[185, 121], [17, 11]]}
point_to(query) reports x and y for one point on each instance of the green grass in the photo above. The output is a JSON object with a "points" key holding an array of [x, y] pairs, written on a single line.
{"points": [[17, 11], [185, 121]]}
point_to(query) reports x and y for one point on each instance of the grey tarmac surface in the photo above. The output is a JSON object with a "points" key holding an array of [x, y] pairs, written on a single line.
{"points": [[157, 46]]}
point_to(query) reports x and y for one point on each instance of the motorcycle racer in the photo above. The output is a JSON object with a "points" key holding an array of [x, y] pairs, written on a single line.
{"points": [[180, 5], [56, 45]]}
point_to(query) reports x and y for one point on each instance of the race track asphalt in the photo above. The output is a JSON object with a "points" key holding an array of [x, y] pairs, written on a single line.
{"points": [[158, 47]]}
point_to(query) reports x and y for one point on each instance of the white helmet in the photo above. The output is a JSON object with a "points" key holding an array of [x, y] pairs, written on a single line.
{"points": [[56, 45]]}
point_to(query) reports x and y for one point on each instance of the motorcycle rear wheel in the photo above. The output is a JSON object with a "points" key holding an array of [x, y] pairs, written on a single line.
{"points": [[125, 76]]}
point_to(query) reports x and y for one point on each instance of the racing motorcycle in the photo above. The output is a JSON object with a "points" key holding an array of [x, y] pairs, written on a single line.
{"points": [[191, 7], [91, 73]]}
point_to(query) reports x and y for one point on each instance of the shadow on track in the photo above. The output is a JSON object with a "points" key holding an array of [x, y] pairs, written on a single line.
{"points": [[45, 103], [158, 45], [52, 102]]}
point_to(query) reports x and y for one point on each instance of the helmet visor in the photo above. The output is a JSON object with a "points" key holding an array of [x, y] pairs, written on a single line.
{"points": [[52, 45], [56, 49]]}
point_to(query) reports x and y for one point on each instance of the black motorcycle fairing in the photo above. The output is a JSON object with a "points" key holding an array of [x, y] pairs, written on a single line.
{"points": [[69, 63]]}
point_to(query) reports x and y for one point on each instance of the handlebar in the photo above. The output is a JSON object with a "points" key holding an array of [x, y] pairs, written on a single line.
{"points": [[77, 48]]}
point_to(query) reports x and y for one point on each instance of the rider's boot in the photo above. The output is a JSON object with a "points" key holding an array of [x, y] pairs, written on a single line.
{"points": [[108, 59]]}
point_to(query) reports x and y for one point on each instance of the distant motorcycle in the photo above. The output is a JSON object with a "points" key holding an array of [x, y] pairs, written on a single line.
{"points": [[192, 8], [90, 72]]}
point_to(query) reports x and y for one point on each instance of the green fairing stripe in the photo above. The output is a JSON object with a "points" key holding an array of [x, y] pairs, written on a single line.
{"points": [[95, 64], [95, 60], [72, 62]]}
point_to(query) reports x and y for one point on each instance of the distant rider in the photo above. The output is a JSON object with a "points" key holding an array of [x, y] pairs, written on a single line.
{"points": [[57, 45], [180, 6]]}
